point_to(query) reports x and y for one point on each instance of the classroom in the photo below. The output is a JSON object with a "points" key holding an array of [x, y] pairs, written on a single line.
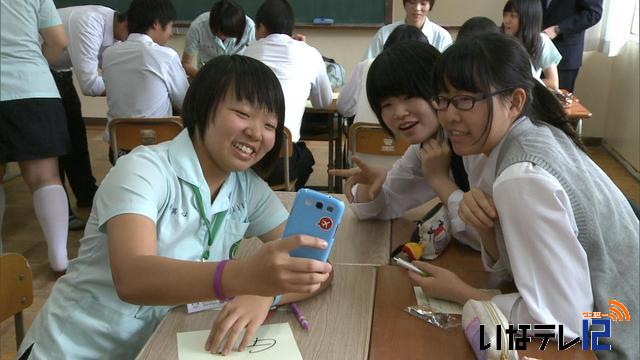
{"points": [[387, 179]]}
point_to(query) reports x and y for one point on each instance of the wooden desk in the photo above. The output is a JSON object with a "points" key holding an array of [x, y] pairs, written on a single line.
{"points": [[357, 242], [397, 335], [577, 112], [340, 320], [335, 121]]}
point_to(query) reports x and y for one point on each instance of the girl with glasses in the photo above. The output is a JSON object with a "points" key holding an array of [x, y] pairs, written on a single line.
{"points": [[399, 90], [566, 234]]}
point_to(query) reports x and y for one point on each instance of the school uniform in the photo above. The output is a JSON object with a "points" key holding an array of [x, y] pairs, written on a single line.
{"points": [[90, 31], [143, 79], [353, 97], [405, 188], [83, 317], [438, 37], [200, 40], [302, 75], [548, 55], [566, 241], [33, 122]]}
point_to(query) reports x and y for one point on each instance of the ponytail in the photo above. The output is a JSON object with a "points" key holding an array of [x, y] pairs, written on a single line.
{"points": [[545, 107]]}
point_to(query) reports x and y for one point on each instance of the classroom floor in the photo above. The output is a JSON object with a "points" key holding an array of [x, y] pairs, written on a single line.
{"points": [[21, 231]]}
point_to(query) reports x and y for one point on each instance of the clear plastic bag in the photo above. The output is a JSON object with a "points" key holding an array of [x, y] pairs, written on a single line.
{"points": [[441, 320]]}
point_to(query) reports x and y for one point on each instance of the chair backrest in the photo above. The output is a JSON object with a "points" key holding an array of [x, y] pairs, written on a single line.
{"points": [[286, 152], [127, 133], [16, 290], [373, 144]]}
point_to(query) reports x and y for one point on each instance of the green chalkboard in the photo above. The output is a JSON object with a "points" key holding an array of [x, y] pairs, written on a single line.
{"points": [[344, 12]]}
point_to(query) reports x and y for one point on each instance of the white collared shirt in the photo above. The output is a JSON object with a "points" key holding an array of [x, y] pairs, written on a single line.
{"points": [[302, 74], [438, 37], [353, 97], [548, 264], [143, 79], [90, 31]]}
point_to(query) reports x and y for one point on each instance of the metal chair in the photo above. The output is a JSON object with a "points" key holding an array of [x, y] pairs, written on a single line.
{"points": [[285, 154], [127, 133], [373, 144], [16, 290]]}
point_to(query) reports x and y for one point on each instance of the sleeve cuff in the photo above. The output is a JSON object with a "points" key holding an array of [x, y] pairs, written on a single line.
{"points": [[506, 302]]}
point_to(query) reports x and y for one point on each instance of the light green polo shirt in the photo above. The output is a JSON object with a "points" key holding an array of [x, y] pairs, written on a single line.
{"points": [[83, 317], [201, 41], [24, 72]]}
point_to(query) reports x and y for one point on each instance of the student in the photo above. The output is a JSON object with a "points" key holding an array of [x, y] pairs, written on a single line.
{"points": [[399, 89], [417, 11], [302, 74], [477, 25], [565, 233], [565, 23], [352, 100], [33, 126], [91, 29], [224, 30], [144, 78], [523, 19], [164, 210]]}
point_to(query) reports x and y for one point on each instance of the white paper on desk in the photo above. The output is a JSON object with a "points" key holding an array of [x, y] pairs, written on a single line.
{"points": [[273, 341], [442, 306]]}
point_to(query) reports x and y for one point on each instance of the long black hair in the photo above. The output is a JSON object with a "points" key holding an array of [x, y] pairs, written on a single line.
{"points": [[251, 81], [530, 23], [494, 62]]}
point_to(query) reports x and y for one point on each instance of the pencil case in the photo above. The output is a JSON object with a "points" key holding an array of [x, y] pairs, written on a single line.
{"points": [[476, 313]]}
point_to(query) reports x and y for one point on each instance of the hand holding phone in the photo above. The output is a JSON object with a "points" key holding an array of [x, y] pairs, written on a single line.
{"points": [[407, 265], [314, 214]]}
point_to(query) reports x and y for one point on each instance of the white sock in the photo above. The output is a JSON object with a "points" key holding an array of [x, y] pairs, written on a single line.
{"points": [[50, 203], [2, 206]]}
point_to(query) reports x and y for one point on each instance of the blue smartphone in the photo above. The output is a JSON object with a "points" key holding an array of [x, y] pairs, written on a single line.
{"points": [[314, 214]]}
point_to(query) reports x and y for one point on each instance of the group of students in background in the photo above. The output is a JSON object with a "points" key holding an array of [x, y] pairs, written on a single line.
{"points": [[487, 138]]}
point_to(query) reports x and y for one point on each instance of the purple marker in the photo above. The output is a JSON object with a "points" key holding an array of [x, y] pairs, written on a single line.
{"points": [[296, 311]]}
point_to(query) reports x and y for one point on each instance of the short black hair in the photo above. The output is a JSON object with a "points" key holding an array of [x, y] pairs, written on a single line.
{"points": [[227, 18], [251, 81], [431, 3], [475, 26], [277, 16], [404, 69], [142, 14], [404, 32], [121, 16]]}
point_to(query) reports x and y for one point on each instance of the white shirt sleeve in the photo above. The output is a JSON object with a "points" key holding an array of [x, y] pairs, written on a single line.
{"points": [[177, 82], [548, 263], [376, 45], [465, 234], [85, 40], [404, 188], [321, 95], [347, 103], [192, 40]]}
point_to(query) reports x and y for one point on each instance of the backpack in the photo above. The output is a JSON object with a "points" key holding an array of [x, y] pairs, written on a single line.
{"points": [[335, 72]]}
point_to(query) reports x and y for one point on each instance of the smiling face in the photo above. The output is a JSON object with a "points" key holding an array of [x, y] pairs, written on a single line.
{"points": [[238, 136], [416, 12], [511, 21], [410, 118], [471, 131]]}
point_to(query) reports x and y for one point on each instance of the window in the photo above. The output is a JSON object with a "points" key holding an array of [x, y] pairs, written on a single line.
{"points": [[634, 23]]}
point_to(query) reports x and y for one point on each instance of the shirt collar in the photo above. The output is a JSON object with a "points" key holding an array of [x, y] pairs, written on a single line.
{"points": [[139, 37], [184, 161]]}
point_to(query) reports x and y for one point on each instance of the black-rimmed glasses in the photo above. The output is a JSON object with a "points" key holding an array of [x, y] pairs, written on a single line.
{"points": [[461, 102]]}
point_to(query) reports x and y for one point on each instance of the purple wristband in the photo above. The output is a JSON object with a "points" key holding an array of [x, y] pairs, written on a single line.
{"points": [[217, 281]]}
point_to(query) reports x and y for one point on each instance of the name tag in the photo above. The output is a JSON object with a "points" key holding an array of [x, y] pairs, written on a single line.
{"points": [[205, 305]]}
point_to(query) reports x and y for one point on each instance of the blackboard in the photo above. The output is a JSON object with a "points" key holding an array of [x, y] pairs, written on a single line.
{"points": [[344, 12]]}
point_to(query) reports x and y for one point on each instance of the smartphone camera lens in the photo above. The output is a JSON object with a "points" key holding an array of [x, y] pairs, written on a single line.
{"points": [[318, 205], [330, 208]]}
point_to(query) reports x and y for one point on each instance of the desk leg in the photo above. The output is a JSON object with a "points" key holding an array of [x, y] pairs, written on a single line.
{"points": [[331, 163], [339, 155], [579, 128]]}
